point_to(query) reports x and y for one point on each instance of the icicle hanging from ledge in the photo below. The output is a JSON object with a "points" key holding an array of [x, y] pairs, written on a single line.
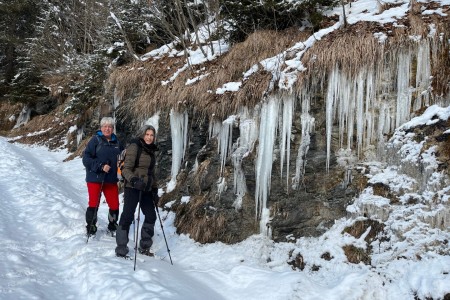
{"points": [[264, 160], [307, 122], [225, 139], [179, 130], [248, 134], [403, 111], [285, 132]]}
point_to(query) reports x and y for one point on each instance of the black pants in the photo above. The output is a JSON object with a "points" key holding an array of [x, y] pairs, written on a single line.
{"points": [[131, 200]]}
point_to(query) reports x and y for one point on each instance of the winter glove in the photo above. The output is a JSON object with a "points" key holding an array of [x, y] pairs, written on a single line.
{"points": [[138, 183], [155, 196]]}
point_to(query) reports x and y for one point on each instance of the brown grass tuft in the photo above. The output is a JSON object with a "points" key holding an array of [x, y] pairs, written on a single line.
{"points": [[356, 255], [360, 227], [204, 224], [335, 50]]}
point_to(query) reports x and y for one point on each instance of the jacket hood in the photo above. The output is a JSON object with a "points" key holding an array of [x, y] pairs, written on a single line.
{"points": [[113, 136]]}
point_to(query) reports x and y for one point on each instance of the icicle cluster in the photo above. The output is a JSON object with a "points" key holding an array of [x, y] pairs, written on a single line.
{"points": [[365, 106]]}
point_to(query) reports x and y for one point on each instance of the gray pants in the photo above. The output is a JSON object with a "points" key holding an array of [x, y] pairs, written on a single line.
{"points": [[131, 201]]}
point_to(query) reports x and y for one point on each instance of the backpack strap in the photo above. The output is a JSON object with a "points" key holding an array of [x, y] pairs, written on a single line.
{"points": [[99, 145]]}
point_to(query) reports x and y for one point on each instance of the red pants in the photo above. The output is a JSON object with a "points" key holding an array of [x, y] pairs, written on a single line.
{"points": [[110, 191]]}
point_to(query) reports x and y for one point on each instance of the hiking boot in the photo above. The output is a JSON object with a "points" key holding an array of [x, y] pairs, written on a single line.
{"points": [[121, 255], [113, 217], [112, 226], [91, 230], [145, 251]]}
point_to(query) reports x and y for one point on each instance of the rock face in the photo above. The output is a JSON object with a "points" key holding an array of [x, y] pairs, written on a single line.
{"points": [[211, 213]]}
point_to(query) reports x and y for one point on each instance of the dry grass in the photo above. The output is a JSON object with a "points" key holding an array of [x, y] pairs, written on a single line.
{"points": [[140, 84], [7, 110], [356, 255], [203, 224], [351, 49]]}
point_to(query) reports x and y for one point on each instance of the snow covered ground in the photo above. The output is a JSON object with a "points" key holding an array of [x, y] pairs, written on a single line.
{"points": [[44, 254]]}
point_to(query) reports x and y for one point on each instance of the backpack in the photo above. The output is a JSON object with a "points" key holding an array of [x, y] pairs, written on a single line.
{"points": [[121, 161]]}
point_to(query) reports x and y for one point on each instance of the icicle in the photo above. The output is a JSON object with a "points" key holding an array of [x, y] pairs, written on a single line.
{"points": [[307, 122], [248, 135], [214, 128], [225, 139], [330, 101], [248, 130], [423, 75], [264, 160], [80, 134], [285, 144], [221, 185], [23, 117], [359, 110], [307, 127], [264, 227], [179, 130], [369, 129], [349, 96], [403, 89], [240, 185]]}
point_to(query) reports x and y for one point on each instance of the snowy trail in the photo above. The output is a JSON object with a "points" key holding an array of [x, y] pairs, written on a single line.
{"points": [[41, 225], [26, 243]]}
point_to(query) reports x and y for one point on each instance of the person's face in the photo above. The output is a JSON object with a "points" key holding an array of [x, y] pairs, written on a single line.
{"points": [[107, 130], [149, 136]]}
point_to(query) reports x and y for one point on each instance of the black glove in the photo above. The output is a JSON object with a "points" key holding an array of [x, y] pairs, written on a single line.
{"points": [[138, 183], [155, 196]]}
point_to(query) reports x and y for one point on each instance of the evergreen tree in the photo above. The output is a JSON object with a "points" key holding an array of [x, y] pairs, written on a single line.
{"points": [[16, 24], [247, 16]]}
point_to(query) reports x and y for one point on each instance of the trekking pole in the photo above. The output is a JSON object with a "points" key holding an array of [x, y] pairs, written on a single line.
{"points": [[137, 229], [134, 228], [162, 228], [96, 208]]}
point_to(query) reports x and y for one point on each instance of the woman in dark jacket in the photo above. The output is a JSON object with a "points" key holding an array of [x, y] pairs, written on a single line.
{"points": [[100, 161], [140, 187]]}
